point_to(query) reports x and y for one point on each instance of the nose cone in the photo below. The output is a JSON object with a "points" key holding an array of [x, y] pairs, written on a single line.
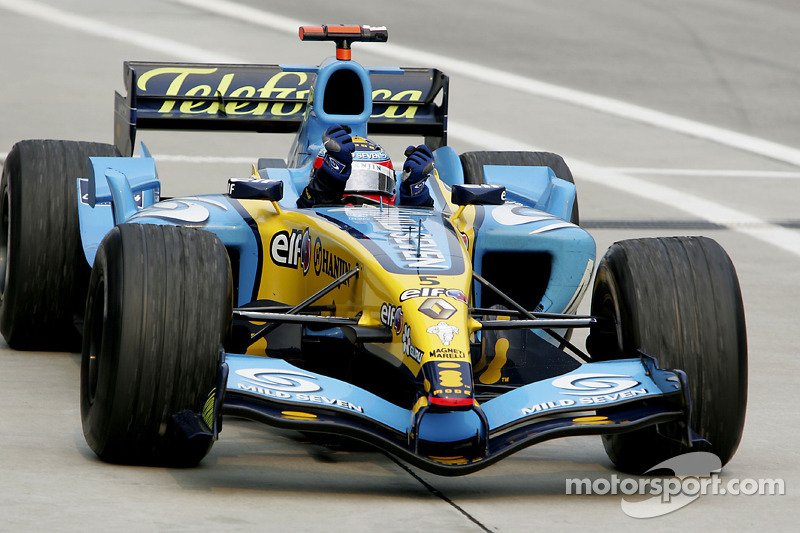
{"points": [[449, 384]]}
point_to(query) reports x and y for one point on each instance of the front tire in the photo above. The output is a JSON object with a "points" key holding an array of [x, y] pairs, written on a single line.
{"points": [[158, 308], [677, 299]]}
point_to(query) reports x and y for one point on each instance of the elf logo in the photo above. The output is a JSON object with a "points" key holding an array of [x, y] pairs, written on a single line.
{"points": [[288, 249], [456, 294], [392, 316]]}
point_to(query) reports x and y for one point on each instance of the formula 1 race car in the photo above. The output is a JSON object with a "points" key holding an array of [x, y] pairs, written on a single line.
{"points": [[439, 335]]}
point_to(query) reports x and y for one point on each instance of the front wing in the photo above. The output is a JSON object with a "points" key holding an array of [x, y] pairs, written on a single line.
{"points": [[596, 398]]}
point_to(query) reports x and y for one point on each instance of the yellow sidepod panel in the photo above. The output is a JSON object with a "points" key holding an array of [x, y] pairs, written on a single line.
{"points": [[301, 255]]}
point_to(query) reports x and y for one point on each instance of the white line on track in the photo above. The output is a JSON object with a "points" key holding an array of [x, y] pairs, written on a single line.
{"points": [[110, 31], [205, 159], [706, 173], [738, 221]]}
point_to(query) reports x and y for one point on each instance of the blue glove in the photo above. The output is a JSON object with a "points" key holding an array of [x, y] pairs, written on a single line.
{"points": [[416, 169], [339, 150], [329, 179]]}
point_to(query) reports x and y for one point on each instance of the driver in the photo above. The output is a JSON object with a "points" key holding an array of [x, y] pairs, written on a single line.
{"points": [[359, 171]]}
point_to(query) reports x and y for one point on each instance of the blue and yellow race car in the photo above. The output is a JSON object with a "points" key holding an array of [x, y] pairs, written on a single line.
{"points": [[441, 335]]}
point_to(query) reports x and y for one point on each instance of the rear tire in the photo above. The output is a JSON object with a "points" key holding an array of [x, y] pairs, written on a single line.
{"points": [[677, 299], [43, 271], [158, 308], [472, 163]]}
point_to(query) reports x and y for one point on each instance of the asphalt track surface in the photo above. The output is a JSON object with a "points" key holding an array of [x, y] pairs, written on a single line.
{"points": [[678, 118]]}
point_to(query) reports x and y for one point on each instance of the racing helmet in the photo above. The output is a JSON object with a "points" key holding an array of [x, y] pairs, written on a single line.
{"points": [[372, 178]]}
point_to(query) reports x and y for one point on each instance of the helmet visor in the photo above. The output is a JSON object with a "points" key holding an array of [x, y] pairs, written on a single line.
{"points": [[370, 178]]}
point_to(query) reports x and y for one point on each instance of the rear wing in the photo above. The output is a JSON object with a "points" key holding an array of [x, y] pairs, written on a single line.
{"points": [[268, 99]]}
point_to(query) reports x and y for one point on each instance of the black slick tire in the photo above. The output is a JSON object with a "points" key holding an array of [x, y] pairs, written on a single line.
{"points": [[43, 270], [677, 299], [158, 308]]}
